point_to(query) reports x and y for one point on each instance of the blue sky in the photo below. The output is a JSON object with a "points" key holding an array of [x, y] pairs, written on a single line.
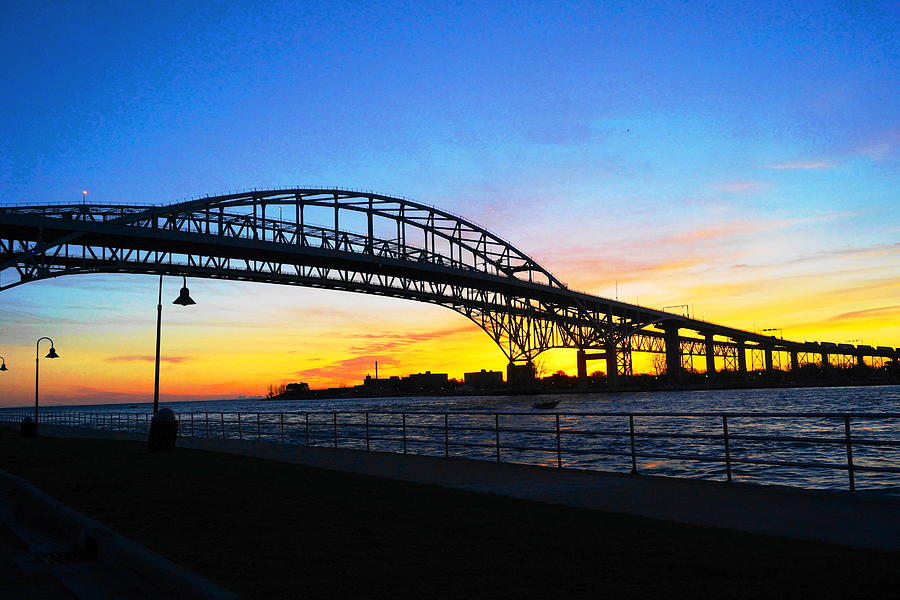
{"points": [[669, 146]]}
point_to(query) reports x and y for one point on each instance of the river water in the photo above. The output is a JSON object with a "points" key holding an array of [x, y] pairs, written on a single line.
{"points": [[587, 440]]}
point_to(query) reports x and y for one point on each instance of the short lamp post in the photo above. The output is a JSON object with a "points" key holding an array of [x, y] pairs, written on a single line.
{"points": [[3, 364], [37, 374]]}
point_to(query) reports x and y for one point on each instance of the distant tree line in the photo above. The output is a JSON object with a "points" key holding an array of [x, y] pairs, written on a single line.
{"points": [[275, 389]]}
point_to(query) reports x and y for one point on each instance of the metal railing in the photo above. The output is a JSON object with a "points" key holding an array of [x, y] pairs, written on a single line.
{"points": [[725, 442]]}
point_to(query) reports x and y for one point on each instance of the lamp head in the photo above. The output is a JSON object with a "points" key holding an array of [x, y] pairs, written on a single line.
{"points": [[184, 298], [52, 353], [3, 367]]}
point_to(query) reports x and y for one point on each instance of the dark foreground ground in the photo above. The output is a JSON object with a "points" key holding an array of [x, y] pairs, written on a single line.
{"points": [[273, 530]]}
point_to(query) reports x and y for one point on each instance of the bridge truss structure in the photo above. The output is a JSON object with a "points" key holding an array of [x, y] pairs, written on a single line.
{"points": [[374, 244]]}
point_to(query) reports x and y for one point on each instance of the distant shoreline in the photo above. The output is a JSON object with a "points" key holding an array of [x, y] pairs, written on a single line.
{"points": [[352, 393]]}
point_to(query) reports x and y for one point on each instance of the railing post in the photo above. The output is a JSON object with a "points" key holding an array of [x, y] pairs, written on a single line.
{"points": [[207, 424], [282, 427], [307, 428], [558, 445], [240, 426], [368, 447], [634, 470], [849, 440], [334, 420], [404, 433], [446, 434], [258, 431], [222, 417], [727, 447], [192, 424], [497, 434]]}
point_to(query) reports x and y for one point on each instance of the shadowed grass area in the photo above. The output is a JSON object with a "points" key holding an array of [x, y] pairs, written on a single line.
{"points": [[274, 530]]}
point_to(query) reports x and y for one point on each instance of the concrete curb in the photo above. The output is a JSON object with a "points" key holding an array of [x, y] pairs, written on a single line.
{"points": [[108, 547]]}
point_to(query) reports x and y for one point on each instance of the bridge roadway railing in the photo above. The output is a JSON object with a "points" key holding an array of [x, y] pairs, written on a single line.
{"points": [[830, 450]]}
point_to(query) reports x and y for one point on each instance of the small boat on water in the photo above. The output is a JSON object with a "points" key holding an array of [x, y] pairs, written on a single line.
{"points": [[544, 404]]}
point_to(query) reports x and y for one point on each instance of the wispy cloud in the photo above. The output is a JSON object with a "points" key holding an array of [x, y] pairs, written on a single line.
{"points": [[801, 165], [859, 319], [343, 371], [384, 342], [147, 358], [877, 313], [870, 251], [740, 187]]}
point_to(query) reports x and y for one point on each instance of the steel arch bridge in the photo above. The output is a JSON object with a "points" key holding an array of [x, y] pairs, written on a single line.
{"points": [[374, 244]]}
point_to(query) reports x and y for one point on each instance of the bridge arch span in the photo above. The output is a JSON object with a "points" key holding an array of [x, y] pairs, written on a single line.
{"points": [[360, 242]]}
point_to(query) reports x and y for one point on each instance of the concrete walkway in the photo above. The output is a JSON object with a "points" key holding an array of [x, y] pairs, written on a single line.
{"points": [[855, 519]]}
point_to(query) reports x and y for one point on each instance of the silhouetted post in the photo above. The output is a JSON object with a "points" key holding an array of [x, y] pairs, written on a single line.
{"points": [[825, 360], [28, 427], [634, 470], [163, 431], [849, 443], [727, 447], [404, 433], [582, 365], [767, 352], [158, 335], [795, 361], [497, 434], [558, 445], [710, 355]]}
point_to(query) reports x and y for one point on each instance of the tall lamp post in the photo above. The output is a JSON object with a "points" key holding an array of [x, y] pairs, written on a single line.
{"points": [[183, 299], [37, 370]]}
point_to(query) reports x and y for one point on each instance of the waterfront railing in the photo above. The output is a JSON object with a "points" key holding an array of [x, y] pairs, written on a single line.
{"points": [[809, 449]]}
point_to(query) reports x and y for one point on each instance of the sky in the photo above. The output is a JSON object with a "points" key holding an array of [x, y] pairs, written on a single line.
{"points": [[739, 158]]}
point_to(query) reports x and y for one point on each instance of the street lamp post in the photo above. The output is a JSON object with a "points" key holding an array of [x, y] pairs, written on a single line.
{"points": [[3, 364], [37, 370], [183, 299]]}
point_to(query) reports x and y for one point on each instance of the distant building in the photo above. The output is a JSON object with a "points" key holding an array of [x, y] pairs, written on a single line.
{"points": [[296, 388], [426, 381], [484, 379], [381, 385], [520, 375]]}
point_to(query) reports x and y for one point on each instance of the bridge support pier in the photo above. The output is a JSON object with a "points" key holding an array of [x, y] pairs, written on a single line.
{"points": [[795, 361], [825, 363], [610, 354], [673, 351], [612, 364], [710, 356], [581, 358], [741, 356], [860, 360], [767, 353]]}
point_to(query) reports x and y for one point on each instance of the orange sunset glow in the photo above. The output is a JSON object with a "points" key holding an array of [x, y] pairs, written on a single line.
{"points": [[748, 172]]}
